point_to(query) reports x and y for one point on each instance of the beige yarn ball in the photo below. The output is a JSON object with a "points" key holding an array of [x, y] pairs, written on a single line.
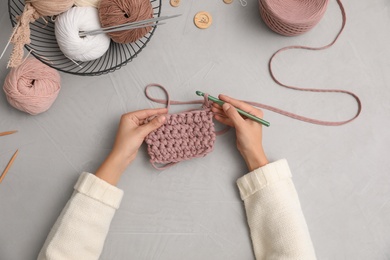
{"points": [[84, 3]]}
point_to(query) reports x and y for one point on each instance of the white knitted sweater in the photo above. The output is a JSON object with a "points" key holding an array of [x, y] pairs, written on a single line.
{"points": [[277, 225]]}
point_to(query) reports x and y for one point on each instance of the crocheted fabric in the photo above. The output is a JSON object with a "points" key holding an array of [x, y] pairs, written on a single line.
{"points": [[183, 136]]}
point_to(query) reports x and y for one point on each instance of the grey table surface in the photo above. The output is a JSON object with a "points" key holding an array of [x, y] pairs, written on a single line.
{"points": [[193, 210]]}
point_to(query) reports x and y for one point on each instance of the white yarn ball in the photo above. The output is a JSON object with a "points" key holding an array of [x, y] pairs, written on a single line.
{"points": [[67, 28]]}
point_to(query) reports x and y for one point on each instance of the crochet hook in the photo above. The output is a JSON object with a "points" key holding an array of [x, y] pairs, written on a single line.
{"points": [[242, 112]]}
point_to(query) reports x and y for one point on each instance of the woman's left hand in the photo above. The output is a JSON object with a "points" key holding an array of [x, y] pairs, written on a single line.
{"points": [[131, 133]]}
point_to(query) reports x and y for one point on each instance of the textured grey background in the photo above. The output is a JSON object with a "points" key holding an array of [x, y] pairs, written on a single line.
{"points": [[193, 210]]}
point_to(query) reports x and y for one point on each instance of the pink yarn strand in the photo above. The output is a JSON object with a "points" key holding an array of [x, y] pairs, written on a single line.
{"points": [[168, 101], [302, 118]]}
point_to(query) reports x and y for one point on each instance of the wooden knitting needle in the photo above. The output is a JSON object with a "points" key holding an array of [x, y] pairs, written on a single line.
{"points": [[8, 133], [242, 112], [8, 165]]}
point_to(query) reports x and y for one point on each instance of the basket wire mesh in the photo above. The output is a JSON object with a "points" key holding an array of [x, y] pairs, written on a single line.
{"points": [[44, 46]]}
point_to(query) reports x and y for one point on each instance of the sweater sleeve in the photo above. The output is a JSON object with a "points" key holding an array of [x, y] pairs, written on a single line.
{"points": [[277, 226], [82, 227]]}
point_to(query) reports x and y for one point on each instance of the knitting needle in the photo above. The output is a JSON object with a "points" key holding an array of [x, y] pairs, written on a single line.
{"points": [[147, 21], [8, 133], [121, 27], [13, 157], [128, 26], [8, 165], [124, 28], [220, 102], [10, 38], [5, 48]]}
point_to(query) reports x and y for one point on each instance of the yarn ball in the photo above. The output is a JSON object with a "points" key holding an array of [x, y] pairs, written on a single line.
{"points": [[117, 12], [32, 87], [67, 28], [52, 7], [33, 9], [82, 3], [291, 17]]}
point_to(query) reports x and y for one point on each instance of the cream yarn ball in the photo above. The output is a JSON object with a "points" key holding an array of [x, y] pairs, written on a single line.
{"points": [[67, 28], [94, 3]]}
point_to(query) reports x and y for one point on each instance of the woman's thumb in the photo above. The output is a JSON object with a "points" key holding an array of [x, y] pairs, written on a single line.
{"points": [[152, 125]]}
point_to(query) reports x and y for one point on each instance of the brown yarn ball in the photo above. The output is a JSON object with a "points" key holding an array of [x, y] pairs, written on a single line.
{"points": [[116, 12]]}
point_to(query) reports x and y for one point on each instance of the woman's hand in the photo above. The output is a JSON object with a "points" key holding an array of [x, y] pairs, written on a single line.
{"points": [[248, 132], [131, 133]]}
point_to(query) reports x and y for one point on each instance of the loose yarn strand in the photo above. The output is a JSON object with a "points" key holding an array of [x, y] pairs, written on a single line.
{"points": [[302, 118], [168, 101]]}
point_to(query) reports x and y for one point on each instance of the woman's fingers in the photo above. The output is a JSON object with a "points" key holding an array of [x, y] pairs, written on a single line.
{"points": [[146, 113], [241, 105], [218, 110], [224, 120]]}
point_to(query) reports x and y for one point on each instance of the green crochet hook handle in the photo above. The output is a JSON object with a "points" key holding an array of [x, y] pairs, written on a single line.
{"points": [[220, 102]]}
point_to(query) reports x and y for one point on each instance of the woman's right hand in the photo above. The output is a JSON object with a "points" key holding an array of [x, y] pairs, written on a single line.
{"points": [[248, 132]]}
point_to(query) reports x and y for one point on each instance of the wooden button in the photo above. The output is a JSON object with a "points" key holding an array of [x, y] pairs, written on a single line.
{"points": [[175, 3], [203, 20], [228, 1]]}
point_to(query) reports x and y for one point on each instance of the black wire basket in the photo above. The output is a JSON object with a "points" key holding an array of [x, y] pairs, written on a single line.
{"points": [[44, 46]]}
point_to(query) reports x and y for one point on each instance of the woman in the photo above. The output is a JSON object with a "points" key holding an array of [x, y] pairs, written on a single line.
{"points": [[277, 225]]}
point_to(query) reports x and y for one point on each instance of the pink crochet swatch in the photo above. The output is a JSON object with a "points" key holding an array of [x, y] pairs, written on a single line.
{"points": [[183, 136]]}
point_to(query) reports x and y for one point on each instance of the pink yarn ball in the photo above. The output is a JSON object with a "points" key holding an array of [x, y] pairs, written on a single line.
{"points": [[291, 17], [32, 87]]}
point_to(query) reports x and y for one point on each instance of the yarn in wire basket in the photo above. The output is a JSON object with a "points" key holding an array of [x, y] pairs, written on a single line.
{"points": [[45, 48]]}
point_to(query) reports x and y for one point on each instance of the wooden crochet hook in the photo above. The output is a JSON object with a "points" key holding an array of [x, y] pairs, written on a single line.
{"points": [[242, 112], [12, 158]]}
